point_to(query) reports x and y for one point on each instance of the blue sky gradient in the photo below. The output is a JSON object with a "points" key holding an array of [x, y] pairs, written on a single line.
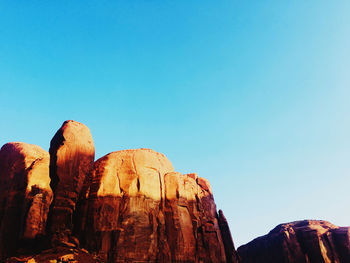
{"points": [[252, 95]]}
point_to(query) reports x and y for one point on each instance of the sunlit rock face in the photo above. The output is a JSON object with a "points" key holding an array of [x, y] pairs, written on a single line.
{"points": [[72, 154], [139, 210], [25, 196], [128, 206], [308, 241]]}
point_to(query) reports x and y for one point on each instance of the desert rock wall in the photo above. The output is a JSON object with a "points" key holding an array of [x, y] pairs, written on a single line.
{"points": [[128, 206]]}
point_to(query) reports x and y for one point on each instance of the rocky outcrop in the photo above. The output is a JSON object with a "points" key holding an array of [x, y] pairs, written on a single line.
{"points": [[72, 154], [308, 241], [25, 196], [57, 255], [131, 206], [139, 209], [128, 206]]}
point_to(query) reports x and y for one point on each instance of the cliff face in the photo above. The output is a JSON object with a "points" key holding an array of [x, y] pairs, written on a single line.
{"points": [[128, 206], [308, 241], [138, 208], [25, 196]]}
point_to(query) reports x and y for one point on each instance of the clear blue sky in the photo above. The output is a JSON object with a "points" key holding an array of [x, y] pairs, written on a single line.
{"points": [[253, 95]]}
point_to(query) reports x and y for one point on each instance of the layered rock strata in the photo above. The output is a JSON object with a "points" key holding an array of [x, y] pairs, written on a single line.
{"points": [[72, 154], [25, 196], [308, 241], [139, 209]]}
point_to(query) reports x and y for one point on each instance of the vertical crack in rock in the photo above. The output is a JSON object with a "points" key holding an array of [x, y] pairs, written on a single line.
{"points": [[161, 205], [161, 184], [118, 178], [137, 175], [160, 225]]}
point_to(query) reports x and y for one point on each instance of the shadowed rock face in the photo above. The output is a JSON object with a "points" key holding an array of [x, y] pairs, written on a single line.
{"points": [[139, 209], [230, 251], [308, 241], [72, 155], [25, 195]]}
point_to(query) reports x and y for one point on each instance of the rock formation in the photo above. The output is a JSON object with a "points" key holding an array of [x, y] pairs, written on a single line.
{"points": [[131, 206], [25, 196], [230, 251], [308, 241], [56, 255], [72, 154], [139, 209], [128, 206]]}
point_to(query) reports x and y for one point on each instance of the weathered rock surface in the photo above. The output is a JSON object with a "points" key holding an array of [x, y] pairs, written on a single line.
{"points": [[25, 196], [308, 241], [72, 154], [139, 209], [128, 206]]}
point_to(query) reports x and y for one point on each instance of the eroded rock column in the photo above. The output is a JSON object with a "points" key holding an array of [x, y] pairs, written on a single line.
{"points": [[72, 154]]}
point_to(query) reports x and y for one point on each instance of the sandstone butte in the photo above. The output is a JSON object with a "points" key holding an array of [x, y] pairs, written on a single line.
{"points": [[307, 241], [128, 206]]}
